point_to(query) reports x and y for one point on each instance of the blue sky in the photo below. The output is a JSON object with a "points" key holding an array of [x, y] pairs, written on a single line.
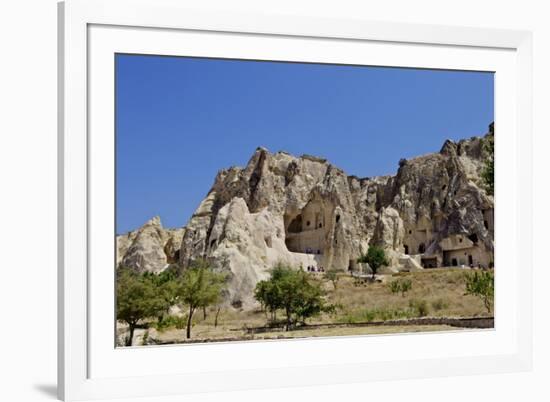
{"points": [[180, 120]]}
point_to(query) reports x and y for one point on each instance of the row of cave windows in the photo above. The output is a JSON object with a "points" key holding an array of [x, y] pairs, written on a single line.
{"points": [[434, 204], [308, 223], [485, 223], [471, 237], [422, 246], [321, 224]]}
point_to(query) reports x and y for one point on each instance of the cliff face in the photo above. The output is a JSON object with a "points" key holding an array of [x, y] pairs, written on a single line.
{"points": [[305, 211]]}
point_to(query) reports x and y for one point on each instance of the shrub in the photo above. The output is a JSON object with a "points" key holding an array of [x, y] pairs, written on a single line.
{"points": [[440, 304], [332, 275], [400, 285], [482, 285], [171, 321], [406, 285], [395, 286], [419, 308]]}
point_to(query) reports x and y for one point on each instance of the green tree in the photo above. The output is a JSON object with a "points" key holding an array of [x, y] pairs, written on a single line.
{"points": [[292, 291], [136, 299], [482, 285], [488, 173], [332, 275], [375, 257], [267, 293], [166, 290], [199, 287]]}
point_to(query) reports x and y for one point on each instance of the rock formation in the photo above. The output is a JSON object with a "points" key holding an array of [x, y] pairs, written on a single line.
{"points": [[305, 211], [151, 248]]}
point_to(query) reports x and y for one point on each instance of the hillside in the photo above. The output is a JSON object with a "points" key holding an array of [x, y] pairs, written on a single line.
{"points": [[304, 211]]}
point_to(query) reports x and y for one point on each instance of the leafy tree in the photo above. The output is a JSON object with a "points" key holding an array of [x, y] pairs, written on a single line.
{"points": [[136, 299], [332, 275], [166, 287], [488, 173], [375, 257], [266, 292], [292, 291], [199, 287], [482, 285]]}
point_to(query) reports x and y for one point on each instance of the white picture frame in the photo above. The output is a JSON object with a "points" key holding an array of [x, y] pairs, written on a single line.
{"points": [[90, 31]]}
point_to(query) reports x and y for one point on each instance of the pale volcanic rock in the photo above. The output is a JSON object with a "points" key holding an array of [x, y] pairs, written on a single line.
{"points": [[151, 248], [123, 242], [305, 211], [389, 234], [247, 245]]}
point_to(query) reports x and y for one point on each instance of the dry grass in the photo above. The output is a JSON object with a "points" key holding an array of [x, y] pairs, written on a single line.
{"points": [[439, 292], [442, 290]]}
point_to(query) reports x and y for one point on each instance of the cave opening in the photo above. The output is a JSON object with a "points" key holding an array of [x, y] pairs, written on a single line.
{"points": [[296, 225], [305, 232]]}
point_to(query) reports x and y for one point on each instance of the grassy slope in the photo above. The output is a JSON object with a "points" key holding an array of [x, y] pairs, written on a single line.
{"points": [[440, 291]]}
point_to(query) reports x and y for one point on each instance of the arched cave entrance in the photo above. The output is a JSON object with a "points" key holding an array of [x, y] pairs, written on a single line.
{"points": [[296, 225], [306, 231]]}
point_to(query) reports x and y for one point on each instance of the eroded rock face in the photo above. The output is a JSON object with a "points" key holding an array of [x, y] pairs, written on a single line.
{"points": [[151, 248], [311, 200], [305, 211]]}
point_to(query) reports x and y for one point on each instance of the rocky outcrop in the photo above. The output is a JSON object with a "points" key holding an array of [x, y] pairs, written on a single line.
{"points": [[305, 211], [149, 249]]}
